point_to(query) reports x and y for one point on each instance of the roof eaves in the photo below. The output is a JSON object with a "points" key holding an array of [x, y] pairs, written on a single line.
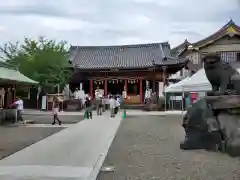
{"points": [[73, 52], [110, 68], [215, 36]]}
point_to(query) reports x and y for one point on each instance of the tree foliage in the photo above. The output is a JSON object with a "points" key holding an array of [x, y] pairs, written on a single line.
{"points": [[43, 60]]}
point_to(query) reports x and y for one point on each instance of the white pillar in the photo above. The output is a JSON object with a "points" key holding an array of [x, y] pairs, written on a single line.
{"points": [[81, 86], [160, 89]]}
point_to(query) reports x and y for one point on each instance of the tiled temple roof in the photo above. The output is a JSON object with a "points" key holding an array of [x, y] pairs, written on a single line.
{"points": [[229, 29], [180, 48], [122, 57]]}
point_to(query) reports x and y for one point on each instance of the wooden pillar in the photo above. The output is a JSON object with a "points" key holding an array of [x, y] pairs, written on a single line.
{"points": [[105, 87], [125, 84], [14, 93], [91, 88], [154, 85], [141, 90]]}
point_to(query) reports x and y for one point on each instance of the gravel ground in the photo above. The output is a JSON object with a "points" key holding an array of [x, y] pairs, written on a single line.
{"points": [[147, 148], [48, 119], [13, 139]]}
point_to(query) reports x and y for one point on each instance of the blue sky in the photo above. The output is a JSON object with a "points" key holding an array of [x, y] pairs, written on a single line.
{"points": [[108, 22]]}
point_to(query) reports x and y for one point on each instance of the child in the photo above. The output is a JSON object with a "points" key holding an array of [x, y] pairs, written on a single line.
{"points": [[88, 108], [55, 111]]}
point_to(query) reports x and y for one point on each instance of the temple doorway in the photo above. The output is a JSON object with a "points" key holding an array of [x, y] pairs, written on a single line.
{"points": [[98, 83], [133, 87], [115, 86]]}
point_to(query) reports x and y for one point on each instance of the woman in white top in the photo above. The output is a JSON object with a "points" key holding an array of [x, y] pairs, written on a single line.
{"points": [[112, 103]]}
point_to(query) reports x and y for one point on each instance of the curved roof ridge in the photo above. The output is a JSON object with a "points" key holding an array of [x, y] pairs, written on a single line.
{"points": [[184, 43], [218, 33], [122, 46]]}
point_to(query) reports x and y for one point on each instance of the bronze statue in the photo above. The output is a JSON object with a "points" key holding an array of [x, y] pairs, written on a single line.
{"points": [[219, 73]]}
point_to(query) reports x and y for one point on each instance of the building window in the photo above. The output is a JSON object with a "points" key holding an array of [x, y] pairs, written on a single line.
{"points": [[230, 57]]}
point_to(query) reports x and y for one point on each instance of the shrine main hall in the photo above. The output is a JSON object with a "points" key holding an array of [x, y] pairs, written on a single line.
{"points": [[129, 67]]}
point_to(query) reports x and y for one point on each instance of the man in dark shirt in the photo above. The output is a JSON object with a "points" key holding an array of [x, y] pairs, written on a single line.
{"points": [[88, 108]]}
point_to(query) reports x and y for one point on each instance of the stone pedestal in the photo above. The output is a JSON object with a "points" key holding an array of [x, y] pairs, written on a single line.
{"points": [[7, 116], [213, 123]]}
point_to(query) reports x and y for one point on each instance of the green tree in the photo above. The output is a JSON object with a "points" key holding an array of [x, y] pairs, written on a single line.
{"points": [[43, 60]]}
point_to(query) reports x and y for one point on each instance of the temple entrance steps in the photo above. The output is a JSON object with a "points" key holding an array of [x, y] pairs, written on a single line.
{"points": [[134, 106]]}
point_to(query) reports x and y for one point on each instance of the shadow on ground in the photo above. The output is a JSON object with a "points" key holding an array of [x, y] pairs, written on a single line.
{"points": [[13, 139], [48, 119]]}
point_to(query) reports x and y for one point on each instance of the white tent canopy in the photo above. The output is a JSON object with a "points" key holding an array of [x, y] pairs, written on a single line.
{"points": [[197, 83], [177, 86]]}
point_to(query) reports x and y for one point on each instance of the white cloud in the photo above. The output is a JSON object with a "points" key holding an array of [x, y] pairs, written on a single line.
{"points": [[14, 3], [142, 20], [2, 28], [64, 24], [95, 22]]}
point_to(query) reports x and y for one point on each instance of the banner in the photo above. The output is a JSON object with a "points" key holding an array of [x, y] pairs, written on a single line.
{"points": [[44, 102]]}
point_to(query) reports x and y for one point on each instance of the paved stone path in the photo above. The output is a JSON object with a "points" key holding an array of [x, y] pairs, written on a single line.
{"points": [[74, 153], [147, 148]]}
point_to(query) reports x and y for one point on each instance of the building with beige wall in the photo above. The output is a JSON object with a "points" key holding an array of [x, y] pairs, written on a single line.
{"points": [[225, 42]]}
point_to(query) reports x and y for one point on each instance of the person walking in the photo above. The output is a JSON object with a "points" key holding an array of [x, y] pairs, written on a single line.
{"points": [[112, 103], [117, 104], [88, 106], [56, 111], [19, 106], [98, 98]]}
